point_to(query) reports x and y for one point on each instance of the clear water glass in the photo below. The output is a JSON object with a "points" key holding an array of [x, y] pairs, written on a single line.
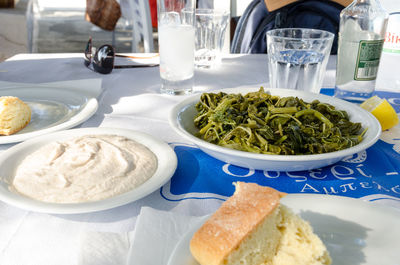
{"points": [[210, 35], [297, 58]]}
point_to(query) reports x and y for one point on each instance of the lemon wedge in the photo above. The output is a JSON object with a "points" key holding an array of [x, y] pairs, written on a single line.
{"points": [[382, 110]]}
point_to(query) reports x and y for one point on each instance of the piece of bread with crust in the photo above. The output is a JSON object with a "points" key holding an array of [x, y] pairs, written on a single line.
{"points": [[14, 115], [252, 228]]}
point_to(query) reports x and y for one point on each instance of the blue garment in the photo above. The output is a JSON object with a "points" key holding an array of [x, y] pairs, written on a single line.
{"points": [[250, 33]]}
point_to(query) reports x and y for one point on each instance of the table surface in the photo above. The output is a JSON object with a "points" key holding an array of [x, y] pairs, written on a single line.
{"points": [[131, 100]]}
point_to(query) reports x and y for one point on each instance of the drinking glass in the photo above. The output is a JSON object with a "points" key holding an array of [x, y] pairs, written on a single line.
{"points": [[176, 36], [298, 57], [210, 35]]}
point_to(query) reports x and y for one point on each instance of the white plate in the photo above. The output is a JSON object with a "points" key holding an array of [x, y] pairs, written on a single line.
{"points": [[10, 159], [53, 109], [182, 116], [354, 231]]}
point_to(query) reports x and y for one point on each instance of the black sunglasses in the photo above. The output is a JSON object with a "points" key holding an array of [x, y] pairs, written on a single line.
{"points": [[103, 58]]}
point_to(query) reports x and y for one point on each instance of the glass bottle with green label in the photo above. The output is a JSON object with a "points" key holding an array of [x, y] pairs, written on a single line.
{"points": [[361, 36]]}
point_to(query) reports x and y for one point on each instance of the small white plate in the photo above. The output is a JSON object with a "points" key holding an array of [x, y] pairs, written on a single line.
{"points": [[53, 109], [10, 159], [354, 231], [182, 116]]}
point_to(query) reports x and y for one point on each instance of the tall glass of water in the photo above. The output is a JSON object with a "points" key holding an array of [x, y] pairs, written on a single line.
{"points": [[210, 35], [176, 37], [298, 58]]}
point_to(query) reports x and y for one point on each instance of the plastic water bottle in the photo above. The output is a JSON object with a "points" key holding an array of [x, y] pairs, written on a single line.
{"points": [[361, 37], [389, 73]]}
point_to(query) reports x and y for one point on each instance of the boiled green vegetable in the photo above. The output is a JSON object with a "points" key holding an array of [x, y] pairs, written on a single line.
{"points": [[261, 123]]}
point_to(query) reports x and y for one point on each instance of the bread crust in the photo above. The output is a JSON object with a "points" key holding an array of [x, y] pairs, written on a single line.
{"points": [[233, 221]]}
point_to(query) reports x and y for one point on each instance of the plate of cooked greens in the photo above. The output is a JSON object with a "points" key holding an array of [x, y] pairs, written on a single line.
{"points": [[274, 129]]}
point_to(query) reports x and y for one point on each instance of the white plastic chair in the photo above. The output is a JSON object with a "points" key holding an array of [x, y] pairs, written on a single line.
{"points": [[52, 24], [142, 27], [60, 26]]}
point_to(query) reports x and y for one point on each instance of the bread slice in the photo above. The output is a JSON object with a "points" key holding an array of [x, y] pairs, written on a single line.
{"points": [[298, 244], [252, 228], [14, 115]]}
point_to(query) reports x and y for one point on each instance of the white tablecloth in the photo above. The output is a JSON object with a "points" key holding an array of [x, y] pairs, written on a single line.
{"points": [[130, 100]]}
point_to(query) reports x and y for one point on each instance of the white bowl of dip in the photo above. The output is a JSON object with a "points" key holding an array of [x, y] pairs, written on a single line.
{"points": [[21, 155]]}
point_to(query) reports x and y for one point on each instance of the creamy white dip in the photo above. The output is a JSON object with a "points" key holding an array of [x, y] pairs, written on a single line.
{"points": [[86, 168]]}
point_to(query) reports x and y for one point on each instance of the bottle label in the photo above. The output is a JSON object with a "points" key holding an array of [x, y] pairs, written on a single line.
{"points": [[392, 36], [369, 54]]}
